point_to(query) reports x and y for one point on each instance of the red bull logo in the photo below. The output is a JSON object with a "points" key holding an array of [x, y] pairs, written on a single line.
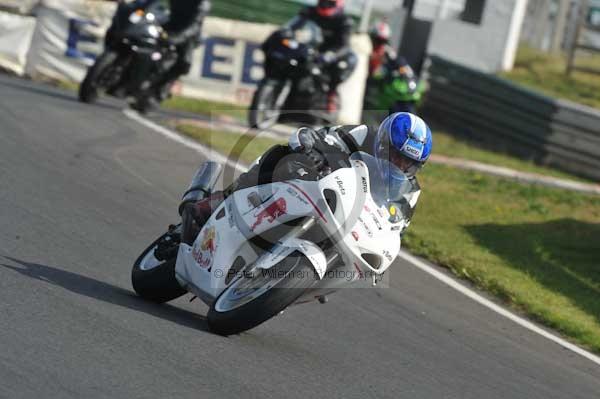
{"points": [[203, 253], [276, 209]]}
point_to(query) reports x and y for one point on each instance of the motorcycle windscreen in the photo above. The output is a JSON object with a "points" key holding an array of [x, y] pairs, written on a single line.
{"points": [[304, 31], [160, 9], [389, 185]]}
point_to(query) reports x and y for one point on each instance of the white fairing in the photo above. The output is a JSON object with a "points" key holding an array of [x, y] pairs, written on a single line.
{"points": [[359, 226]]}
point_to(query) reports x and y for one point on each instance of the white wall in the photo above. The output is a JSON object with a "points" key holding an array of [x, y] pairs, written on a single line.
{"points": [[15, 38], [489, 47], [20, 6]]}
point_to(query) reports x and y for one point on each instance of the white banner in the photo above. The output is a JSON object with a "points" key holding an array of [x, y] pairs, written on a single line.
{"points": [[68, 37], [19, 6], [15, 39], [226, 68]]}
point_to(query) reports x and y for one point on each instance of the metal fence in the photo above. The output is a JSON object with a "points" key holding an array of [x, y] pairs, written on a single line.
{"points": [[513, 119]]}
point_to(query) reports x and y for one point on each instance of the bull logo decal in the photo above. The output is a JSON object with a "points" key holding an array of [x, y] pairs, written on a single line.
{"points": [[275, 210], [205, 253]]}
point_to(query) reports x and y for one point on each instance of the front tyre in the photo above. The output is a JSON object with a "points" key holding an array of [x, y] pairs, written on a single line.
{"points": [[142, 104], [267, 103], [253, 299], [154, 279], [88, 90]]}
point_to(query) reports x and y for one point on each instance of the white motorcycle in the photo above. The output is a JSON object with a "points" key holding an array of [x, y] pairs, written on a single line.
{"points": [[270, 246]]}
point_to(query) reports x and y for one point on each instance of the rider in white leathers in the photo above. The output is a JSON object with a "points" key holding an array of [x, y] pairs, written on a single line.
{"points": [[403, 139]]}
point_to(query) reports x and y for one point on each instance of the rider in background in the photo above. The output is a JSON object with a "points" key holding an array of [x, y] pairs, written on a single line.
{"points": [[338, 58], [403, 139], [382, 53], [184, 31]]}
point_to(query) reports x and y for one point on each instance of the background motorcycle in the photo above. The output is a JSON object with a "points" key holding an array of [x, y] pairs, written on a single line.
{"points": [[294, 79], [267, 247], [394, 89], [135, 55]]}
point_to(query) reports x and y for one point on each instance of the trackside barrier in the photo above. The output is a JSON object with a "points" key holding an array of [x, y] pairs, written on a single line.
{"points": [[514, 119], [68, 36], [15, 39], [18, 6], [227, 67]]}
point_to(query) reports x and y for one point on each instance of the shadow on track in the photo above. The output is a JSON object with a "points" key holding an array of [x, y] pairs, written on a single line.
{"points": [[106, 293]]}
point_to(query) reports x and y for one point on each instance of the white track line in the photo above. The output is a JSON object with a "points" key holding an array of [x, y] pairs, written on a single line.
{"points": [[498, 309], [206, 152]]}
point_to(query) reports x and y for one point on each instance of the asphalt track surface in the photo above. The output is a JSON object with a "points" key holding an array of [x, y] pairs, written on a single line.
{"points": [[84, 190]]}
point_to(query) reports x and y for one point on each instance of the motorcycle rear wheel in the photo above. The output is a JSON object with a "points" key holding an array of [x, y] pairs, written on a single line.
{"points": [[154, 279], [88, 90], [226, 317]]}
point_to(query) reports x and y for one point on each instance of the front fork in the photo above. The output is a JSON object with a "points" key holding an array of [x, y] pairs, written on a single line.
{"points": [[201, 186]]}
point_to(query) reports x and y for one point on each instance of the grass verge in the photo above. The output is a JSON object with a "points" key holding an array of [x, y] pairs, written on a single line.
{"points": [[458, 147], [205, 107], [246, 148], [533, 247], [546, 73]]}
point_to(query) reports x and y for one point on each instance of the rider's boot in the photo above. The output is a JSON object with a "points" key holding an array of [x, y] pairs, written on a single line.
{"points": [[163, 91]]}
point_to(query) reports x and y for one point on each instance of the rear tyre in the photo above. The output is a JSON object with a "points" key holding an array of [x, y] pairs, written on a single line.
{"points": [[230, 315], [88, 90], [154, 279]]}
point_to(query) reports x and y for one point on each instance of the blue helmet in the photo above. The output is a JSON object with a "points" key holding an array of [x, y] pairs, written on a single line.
{"points": [[404, 140]]}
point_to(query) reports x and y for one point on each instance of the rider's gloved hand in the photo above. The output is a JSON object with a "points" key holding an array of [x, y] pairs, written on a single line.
{"points": [[304, 141], [327, 58]]}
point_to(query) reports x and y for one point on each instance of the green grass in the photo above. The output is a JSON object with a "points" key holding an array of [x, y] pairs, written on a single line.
{"points": [[66, 85], [205, 107], [274, 12], [457, 147], [546, 73], [533, 247], [246, 148]]}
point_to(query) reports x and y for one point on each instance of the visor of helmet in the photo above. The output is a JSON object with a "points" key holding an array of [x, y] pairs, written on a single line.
{"points": [[328, 3], [407, 165]]}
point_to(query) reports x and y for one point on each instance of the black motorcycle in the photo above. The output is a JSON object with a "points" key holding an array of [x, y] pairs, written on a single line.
{"points": [[294, 80], [135, 56]]}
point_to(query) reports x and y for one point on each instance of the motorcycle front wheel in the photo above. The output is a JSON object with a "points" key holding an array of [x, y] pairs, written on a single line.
{"points": [[88, 89], [268, 100], [254, 298], [152, 277]]}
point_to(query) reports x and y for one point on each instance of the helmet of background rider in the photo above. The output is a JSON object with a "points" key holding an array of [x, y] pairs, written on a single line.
{"points": [[330, 8], [404, 140], [380, 33]]}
